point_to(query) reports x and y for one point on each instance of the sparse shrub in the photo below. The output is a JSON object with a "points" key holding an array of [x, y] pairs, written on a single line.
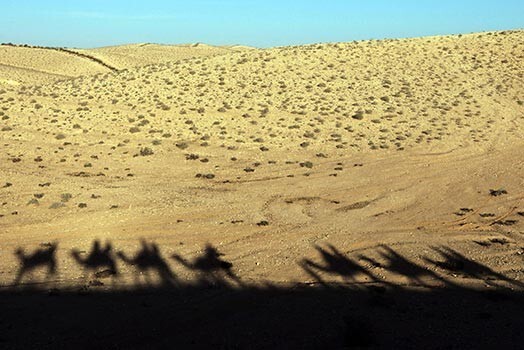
{"points": [[306, 164], [65, 197], [358, 116], [146, 151]]}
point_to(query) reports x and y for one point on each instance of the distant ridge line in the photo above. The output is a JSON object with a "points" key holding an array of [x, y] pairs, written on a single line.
{"points": [[79, 54], [68, 51]]}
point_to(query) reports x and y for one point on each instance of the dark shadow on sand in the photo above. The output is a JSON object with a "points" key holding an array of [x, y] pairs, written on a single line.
{"points": [[99, 259], [148, 259], [214, 313], [41, 258], [211, 268]]}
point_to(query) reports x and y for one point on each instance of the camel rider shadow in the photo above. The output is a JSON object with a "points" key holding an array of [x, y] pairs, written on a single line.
{"points": [[99, 259], [337, 264], [147, 259], [211, 268]]}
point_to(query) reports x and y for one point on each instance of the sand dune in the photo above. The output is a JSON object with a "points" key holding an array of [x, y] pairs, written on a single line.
{"points": [[129, 56], [39, 65], [394, 164]]}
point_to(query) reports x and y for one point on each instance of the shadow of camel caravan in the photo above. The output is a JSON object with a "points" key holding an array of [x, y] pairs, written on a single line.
{"points": [[215, 309]]}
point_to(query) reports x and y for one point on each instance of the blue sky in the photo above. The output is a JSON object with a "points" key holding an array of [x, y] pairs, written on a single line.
{"points": [[262, 23]]}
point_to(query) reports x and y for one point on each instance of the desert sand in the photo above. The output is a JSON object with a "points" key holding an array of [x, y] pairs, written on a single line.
{"points": [[323, 196]]}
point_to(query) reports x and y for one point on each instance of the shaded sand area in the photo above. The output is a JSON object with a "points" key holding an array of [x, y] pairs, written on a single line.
{"points": [[366, 194]]}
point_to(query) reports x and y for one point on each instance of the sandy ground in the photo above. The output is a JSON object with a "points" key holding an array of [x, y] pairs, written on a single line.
{"points": [[366, 194]]}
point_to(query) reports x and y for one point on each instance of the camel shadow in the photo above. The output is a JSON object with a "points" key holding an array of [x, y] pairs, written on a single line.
{"points": [[455, 262], [147, 259], [40, 258], [398, 264], [335, 263], [99, 259], [211, 268]]}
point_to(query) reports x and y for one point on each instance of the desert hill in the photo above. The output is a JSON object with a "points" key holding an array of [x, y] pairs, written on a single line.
{"points": [[372, 166], [24, 64], [130, 56], [367, 95]]}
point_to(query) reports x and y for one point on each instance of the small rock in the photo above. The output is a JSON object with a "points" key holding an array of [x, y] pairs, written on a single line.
{"points": [[499, 192]]}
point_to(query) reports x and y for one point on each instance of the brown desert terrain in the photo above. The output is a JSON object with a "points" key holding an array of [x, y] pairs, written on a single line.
{"points": [[362, 194]]}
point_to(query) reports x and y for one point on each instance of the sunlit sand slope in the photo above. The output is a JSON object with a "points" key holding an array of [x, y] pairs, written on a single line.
{"points": [[270, 154]]}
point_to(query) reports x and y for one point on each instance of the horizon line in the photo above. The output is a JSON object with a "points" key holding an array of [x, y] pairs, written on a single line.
{"points": [[518, 29]]}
